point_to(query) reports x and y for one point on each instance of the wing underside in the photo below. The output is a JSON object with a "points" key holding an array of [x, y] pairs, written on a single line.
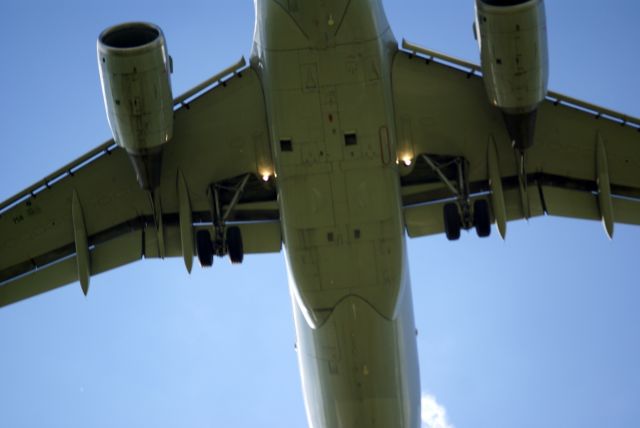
{"points": [[585, 157], [94, 210]]}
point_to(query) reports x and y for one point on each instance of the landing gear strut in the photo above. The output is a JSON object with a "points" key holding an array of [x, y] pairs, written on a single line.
{"points": [[460, 214], [226, 240]]}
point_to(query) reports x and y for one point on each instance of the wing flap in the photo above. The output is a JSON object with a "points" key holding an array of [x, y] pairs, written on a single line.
{"points": [[571, 203], [626, 211], [263, 237], [584, 205], [117, 252]]}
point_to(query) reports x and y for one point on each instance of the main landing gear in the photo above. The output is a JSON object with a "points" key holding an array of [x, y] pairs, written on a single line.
{"points": [[231, 246], [461, 214], [221, 239], [204, 248]]}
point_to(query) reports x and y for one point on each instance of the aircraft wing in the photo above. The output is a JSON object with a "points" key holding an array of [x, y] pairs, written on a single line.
{"points": [[91, 215], [585, 162]]}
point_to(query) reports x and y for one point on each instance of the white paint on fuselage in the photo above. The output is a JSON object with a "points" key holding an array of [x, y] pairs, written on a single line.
{"points": [[360, 369], [325, 68]]}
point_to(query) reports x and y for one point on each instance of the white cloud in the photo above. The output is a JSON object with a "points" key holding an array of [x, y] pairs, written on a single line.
{"points": [[433, 414]]}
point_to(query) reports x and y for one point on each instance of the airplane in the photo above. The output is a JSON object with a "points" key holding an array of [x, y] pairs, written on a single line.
{"points": [[93, 290]]}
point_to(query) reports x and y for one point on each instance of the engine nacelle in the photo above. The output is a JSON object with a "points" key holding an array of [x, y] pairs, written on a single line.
{"points": [[512, 35], [134, 72], [513, 49]]}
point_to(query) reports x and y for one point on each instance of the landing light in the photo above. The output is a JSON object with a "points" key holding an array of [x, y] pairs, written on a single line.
{"points": [[406, 160], [266, 175]]}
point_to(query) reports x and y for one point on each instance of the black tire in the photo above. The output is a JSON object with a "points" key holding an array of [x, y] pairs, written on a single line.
{"points": [[234, 245], [204, 247], [482, 218], [452, 223]]}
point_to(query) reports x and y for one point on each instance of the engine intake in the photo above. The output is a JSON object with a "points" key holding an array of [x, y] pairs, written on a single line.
{"points": [[134, 72], [512, 36]]}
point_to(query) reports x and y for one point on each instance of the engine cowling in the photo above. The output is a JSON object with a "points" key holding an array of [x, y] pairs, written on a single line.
{"points": [[512, 35], [134, 72]]}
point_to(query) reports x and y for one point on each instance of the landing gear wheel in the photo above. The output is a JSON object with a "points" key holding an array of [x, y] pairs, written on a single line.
{"points": [[204, 247], [452, 223], [481, 218], [234, 245]]}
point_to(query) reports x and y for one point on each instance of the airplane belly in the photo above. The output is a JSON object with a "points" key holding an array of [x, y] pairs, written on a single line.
{"points": [[330, 111], [338, 184], [360, 369], [343, 235]]}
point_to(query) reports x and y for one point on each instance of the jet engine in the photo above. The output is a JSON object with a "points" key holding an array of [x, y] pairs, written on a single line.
{"points": [[512, 35], [134, 72]]}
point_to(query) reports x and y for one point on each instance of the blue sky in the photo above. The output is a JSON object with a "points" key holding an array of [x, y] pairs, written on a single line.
{"points": [[538, 330]]}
